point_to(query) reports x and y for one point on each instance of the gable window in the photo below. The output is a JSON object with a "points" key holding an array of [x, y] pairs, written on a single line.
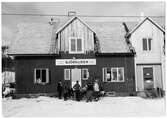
{"points": [[67, 74], [41, 76], [76, 45], [113, 74], [85, 74], [147, 44]]}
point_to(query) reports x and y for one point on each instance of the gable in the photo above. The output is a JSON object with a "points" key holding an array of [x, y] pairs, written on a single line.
{"points": [[69, 22], [75, 28], [145, 20]]}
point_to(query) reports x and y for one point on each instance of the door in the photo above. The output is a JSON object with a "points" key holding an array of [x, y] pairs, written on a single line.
{"points": [[148, 77], [76, 76]]}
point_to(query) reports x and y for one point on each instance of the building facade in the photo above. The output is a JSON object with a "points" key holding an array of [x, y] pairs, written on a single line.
{"points": [[73, 50], [148, 40]]}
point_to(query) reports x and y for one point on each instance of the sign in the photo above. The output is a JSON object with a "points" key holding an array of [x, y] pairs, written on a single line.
{"points": [[64, 62]]}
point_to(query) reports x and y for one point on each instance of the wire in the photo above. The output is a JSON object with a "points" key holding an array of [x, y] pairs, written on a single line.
{"points": [[18, 14]]}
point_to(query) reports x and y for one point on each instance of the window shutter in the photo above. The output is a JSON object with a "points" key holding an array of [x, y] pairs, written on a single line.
{"points": [[149, 43], [82, 74], [47, 75], [79, 45], [87, 74], [67, 74], [104, 74], [35, 80], [144, 44]]}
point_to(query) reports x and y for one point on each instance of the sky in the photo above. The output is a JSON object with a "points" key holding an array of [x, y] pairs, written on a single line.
{"points": [[10, 22]]}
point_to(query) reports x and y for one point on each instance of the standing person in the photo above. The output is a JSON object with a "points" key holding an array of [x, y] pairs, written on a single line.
{"points": [[65, 92], [59, 89], [83, 91], [96, 90], [89, 92], [77, 88]]}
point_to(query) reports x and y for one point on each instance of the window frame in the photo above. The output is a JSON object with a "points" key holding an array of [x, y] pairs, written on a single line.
{"points": [[47, 75], [117, 69], [104, 72], [112, 68], [148, 44], [65, 78], [82, 45], [87, 75], [122, 75]]}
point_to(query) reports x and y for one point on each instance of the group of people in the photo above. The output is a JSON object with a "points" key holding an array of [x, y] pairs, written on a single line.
{"points": [[90, 91]]}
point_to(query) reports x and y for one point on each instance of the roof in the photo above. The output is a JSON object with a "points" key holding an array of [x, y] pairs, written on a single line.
{"points": [[111, 36], [37, 38], [153, 22], [32, 38]]}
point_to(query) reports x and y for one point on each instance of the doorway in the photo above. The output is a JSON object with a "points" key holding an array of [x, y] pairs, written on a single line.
{"points": [[75, 76], [148, 77]]}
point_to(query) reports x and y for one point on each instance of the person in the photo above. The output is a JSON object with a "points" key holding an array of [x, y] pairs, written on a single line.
{"points": [[84, 90], [102, 92], [96, 90], [7, 91], [65, 93], [89, 93], [59, 89], [70, 92], [77, 88]]}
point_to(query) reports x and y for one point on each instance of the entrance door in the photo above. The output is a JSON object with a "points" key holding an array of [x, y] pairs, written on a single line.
{"points": [[148, 77], [76, 76]]}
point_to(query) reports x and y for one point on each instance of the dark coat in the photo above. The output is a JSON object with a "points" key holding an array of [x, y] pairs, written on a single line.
{"points": [[59, 87], [77, 87]]}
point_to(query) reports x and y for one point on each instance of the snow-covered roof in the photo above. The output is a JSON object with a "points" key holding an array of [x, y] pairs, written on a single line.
{"points": [[32, 38], [111, 36], [37, 38]]}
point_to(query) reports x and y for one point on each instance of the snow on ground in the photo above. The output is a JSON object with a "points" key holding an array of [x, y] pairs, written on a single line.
{"points": [[106, 106]]}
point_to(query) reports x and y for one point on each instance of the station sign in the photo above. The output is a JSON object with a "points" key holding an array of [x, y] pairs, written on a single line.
{"points": [[64, 62]]}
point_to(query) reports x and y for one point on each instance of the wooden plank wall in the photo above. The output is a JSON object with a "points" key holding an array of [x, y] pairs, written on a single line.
{"points": [[76, 29]]}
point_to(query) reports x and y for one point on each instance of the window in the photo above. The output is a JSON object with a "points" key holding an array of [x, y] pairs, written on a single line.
{"points": [[113, 74], [76, 45], [67, 73], [41, 76], [85, 74], [147, 44], [120, 74]]}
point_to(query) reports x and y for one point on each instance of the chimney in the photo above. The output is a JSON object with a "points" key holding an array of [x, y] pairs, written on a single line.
{"points": [[127, 32], [125, 26], [53, 21], [71, 13]]}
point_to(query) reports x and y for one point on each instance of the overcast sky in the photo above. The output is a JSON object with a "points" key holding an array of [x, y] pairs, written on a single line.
{"points": [[9, 22]]}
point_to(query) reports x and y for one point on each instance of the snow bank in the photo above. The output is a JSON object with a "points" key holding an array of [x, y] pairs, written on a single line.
{"points": [[107, 106]]}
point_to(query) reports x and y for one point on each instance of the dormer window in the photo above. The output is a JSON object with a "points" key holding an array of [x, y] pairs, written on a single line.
{"points": [[147, 44], [76, 45]]}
